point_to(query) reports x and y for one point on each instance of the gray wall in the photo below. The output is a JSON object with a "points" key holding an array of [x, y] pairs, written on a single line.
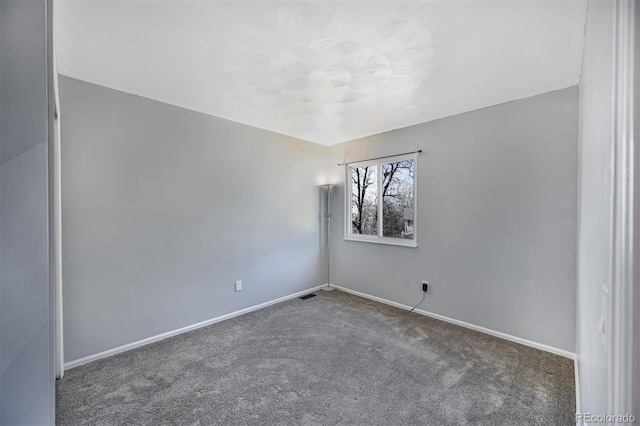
{"points": [[497, 200], [164, 208], [27, 392]]}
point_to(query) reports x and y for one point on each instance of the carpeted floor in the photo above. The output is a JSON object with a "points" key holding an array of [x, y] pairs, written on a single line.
{"points": [[323, 361]]}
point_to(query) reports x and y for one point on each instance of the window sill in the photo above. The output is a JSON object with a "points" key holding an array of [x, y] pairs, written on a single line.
{"points": [[385, 241]]}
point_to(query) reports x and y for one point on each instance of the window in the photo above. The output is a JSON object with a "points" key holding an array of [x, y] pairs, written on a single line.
{"points": [[381, 201]]}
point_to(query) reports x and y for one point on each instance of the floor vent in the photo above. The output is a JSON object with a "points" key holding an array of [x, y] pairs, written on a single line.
{"points": [[307, 296]]}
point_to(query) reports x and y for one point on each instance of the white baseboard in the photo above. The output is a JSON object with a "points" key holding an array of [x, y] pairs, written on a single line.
{"points": [[485, 330], [162, 336]]}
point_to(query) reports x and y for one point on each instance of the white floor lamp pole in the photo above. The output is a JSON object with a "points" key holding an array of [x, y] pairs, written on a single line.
{"points": [[328, 287]]}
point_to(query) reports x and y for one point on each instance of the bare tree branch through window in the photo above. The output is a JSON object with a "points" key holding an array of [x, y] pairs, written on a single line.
{"points": [[396, 201]]}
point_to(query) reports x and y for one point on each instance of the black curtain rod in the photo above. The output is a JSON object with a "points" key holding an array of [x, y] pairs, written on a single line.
{"points": [[380, 158]]}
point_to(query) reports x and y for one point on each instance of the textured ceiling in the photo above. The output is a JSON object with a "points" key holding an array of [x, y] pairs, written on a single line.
{"points": [[327, 72]]}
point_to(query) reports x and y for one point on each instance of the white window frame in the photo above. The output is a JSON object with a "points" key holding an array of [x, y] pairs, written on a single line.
{"points": [[379, 239]]}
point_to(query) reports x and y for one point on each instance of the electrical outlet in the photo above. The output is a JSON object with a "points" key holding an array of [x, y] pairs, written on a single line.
{"points": [[425, 285], [238, 285]]}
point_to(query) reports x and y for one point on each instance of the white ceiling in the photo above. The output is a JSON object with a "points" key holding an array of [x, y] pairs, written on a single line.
{"points": [[327, 72]]}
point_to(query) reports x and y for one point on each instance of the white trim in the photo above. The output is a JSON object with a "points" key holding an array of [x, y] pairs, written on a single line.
{"points": [[384, 240], [57, 237], [577, 378], [481, 329], [57, 223], [623, 329], [162, 336]]}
